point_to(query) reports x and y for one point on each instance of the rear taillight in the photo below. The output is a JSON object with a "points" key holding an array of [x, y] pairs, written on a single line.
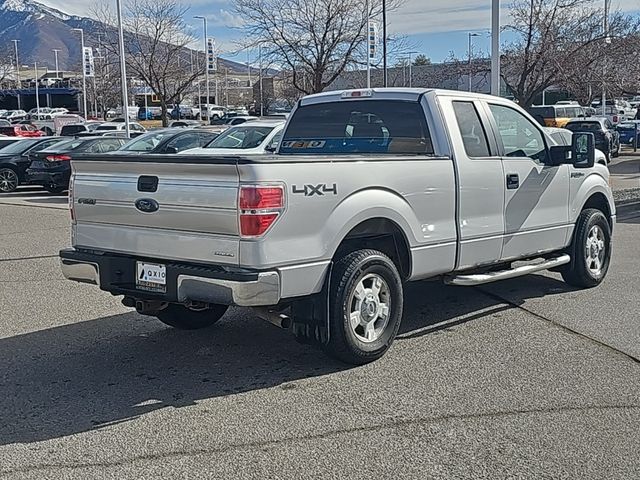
{"points": [[58, 158], [259, 206]]}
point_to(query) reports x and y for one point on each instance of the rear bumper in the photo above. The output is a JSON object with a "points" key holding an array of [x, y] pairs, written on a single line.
{"points": [[185, 282]]}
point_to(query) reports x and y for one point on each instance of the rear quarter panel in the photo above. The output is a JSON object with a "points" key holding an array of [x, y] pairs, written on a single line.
{"points": [[416, 193]]}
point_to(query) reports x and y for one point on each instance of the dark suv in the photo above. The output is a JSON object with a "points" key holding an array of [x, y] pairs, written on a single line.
{"points": [[606, 136]]}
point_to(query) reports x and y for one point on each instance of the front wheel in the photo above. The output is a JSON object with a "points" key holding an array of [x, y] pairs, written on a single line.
{"points": [[590, 250], [366, 307], [9, 180], [183, 318], [54, 189]]}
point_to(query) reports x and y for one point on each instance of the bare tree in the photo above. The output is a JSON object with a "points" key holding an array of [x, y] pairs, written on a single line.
{"points": [[7, 64], [555, 41], [157, 47], [317, 40]]}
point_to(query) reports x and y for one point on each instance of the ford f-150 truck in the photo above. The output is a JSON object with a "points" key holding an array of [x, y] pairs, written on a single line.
{"points": [[369, 189]]}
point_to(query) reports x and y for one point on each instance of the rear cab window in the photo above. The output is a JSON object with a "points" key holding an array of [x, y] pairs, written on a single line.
{"points": [[361, 126], [473, 134]]}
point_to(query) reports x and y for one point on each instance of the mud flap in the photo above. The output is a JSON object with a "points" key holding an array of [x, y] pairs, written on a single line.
{"points": [[310, 315]]}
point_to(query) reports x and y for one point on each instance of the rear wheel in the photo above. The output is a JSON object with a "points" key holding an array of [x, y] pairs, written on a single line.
{"points": [[9, 180], [183, 318], [590, 250], [366, 307], [54, 189]]}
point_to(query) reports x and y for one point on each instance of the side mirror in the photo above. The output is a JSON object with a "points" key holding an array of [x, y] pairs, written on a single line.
{"points": [[583, 150], [270, 148], [171, 150]]}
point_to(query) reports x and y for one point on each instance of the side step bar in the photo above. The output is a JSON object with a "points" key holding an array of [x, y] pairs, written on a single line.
{"points": [[481, 278]]}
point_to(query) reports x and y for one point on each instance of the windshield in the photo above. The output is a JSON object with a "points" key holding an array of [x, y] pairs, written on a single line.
{"points": [[241, 137], [19, 147], [584, 127], [147, 142]]}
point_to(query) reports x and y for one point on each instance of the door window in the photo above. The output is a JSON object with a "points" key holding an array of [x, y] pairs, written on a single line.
{"points": [[473, 134], [520, 137], [185, 142]]}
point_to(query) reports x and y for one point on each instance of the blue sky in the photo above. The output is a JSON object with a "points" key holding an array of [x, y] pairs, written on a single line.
{"points": [[434, 27]]}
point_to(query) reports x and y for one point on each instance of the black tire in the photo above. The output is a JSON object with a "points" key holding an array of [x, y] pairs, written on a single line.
{"points": [[9, 180], [345, 343], [54, 189], [578, 273], [183, 318]]}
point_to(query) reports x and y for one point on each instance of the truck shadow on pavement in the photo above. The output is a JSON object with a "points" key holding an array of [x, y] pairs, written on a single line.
{"points": [[85, 375]]}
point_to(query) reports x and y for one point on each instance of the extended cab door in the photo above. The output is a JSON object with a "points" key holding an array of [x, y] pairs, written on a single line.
{"points": [[480, 182], [536, 194]]}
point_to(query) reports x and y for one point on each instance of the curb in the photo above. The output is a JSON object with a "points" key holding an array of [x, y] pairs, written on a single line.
{"points": [[623, 197]]}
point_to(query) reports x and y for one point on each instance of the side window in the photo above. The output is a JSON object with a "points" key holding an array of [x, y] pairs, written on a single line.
{"points": [[184, 142], [110, 146], [275, 141], [205, 138], [95, 147], [608, 124], [561, 112], [43, 145], [520, 137], [473, 134]]}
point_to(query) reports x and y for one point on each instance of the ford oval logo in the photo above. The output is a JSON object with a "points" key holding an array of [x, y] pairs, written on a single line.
{"points": [[147, 205]]}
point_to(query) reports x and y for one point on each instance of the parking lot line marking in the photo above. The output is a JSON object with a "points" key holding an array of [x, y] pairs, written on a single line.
{"points": [[557, 324], [35, 257]]}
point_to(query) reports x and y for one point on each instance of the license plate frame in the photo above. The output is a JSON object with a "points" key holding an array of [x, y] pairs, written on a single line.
{"points": [[151, 277]]}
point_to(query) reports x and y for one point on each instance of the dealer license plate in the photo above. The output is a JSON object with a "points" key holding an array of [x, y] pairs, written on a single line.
{"points": [[151, 277]]}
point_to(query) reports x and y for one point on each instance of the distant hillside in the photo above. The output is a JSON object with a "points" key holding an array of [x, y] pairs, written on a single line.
{"points": [[40, 29]]}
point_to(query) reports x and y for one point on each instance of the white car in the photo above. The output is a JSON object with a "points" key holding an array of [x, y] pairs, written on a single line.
{"points": [[15, 115], [214, 111], [255, 138], [134, 127]]}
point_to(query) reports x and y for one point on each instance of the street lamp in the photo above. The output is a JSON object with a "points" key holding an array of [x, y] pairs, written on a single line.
{"points": [[123, 69], [384, 43], [37, 92], [84, 74], [206, 62], [471, 35], [607, 41], [495, 47], [55, 52], [15, 44]]}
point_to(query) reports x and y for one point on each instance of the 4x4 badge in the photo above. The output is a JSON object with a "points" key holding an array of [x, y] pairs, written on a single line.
{"points": [[311, 190]]}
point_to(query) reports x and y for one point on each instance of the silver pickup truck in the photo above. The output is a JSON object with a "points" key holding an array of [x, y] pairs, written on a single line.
{"points": [[369, 189]]}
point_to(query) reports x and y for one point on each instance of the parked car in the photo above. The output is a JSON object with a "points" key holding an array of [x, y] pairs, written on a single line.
{"points": [[135, 128], [51, 167], [168, 141], [21, 130], [34, 113], [607, 139], [76, 128], [257, 138], [211, 111], [14, 116], [231, 120], [185, 123], [557, 115], [149, 113], [367, 191], [14, 160], [628, 130], [185, 111], [5, 123]]}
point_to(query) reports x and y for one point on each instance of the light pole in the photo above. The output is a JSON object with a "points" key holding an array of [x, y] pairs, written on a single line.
{"points": [[18, 82], [37, 91], [84, 73], [384, 43], [607, 41], [55, 52], [495, 47], [471, 35], [368, 45], [260, 66], [206, 62], [123, 69]]}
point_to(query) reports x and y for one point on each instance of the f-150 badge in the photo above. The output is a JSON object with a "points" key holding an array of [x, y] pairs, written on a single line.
{"points": [[310, 190]]}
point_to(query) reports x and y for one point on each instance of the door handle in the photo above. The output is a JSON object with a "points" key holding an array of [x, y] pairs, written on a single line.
{"points": [[513, 181]]}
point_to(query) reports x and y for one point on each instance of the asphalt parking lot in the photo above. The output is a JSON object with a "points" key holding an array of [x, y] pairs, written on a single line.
{"points": [[523, 379]]}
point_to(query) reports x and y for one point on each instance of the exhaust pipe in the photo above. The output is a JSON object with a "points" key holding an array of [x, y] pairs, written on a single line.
{"points": [[276, 318]]}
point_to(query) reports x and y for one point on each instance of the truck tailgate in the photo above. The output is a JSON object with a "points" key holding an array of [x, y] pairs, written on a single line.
{"points": [[157, 207]]}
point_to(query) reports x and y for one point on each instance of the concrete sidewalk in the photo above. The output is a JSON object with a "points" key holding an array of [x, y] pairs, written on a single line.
{"points": [[625, 171]]}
